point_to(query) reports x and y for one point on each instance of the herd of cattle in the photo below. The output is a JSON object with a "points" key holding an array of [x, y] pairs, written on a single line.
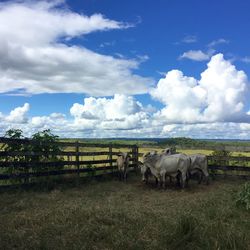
{"points": [[167, 164]]}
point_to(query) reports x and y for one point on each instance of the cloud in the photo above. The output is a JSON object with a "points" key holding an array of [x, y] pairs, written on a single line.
{"points": [[189, 39], [18, 115], [197, 55], [185, 114], [35, 57], [105, 44], [217, 42], [219, 96], [217, 130], [214, 106], [246, 59], [120, 112], [96, 117], [48, 122]]}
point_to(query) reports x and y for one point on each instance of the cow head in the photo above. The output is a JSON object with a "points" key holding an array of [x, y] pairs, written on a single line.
{"points": [[144, 171]]}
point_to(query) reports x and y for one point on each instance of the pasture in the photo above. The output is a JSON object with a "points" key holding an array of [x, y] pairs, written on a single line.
{"points": [[109, 214]]}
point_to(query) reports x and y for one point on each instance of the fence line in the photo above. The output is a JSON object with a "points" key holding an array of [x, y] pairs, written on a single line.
{"points": [[69, 162]]}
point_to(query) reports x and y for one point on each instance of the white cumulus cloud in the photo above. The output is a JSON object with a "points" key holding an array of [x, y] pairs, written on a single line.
{"points": [[214, 106], [18, 115], [119, 112], [219, 96]]}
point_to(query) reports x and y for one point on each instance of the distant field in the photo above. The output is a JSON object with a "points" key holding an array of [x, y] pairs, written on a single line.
{"points": [[113, 215]]}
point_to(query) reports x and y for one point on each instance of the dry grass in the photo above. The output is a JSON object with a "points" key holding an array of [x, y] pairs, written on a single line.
{"points": [[113, 215]]}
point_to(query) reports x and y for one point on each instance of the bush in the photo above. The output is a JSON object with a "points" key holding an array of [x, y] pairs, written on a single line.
{"points": [[222, 153], [14, 147], [45, 143], [45, 149], [243, 196]]}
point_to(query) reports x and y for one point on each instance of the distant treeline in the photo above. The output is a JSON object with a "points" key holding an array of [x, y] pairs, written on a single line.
{"points": [[127, 141], [183, 141], [161, 142]]}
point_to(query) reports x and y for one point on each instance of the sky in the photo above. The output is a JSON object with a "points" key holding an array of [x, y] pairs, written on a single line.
{"points": [[136, 69]]}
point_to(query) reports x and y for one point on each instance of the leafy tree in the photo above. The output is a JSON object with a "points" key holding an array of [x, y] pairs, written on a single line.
{"points": [[14, 147], [44, 149], [46, 143]]}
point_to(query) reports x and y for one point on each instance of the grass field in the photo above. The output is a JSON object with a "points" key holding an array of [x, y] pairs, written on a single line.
{"points": [[112, 215]]}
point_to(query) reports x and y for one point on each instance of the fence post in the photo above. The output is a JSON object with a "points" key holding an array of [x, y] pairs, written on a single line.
{"points": [[77, 162], [135, 156], [110, 158]]}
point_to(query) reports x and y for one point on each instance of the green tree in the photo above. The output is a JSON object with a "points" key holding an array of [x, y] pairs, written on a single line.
{"points": [[45, 149], [14, 154]]}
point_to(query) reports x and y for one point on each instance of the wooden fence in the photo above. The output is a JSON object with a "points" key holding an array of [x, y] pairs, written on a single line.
{"points": [[233, 165], [77, 159], [74, 159], [237, 166]]}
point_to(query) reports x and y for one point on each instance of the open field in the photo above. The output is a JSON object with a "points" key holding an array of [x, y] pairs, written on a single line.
{"points": [[113, 215]]}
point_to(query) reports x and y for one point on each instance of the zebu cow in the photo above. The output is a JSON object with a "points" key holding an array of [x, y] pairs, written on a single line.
{"points": [[145, 171], [168, 151], [199, 166], [122, 165], [161, 165]]}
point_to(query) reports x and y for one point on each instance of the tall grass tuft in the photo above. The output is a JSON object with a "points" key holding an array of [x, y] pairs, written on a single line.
{"points": [[243, 196]]}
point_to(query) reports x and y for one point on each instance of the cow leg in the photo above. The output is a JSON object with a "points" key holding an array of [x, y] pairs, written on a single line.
{"points": [[156, 181], [170, 179], [178, 179], [164, 180], [183, 177], [200, 177], [125, 176], [187, 178]]}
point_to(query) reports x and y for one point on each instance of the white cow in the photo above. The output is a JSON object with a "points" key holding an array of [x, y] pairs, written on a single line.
{"points": [[161, 165], [199, 166], [168, 151], [122, 165]]}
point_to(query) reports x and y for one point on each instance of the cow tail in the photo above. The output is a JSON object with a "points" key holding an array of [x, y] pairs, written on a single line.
{"points": [[190, 161]]}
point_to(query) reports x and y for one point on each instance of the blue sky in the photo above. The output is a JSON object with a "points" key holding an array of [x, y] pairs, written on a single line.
{"points": [[126, 68]]}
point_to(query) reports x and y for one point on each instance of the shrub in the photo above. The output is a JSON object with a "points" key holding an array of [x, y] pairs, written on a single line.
{"points": [[45, 149], [243, 196], [45, 143], [222, 153], [14, 147]]}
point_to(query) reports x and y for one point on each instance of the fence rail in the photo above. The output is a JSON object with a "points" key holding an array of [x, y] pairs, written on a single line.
{"points": [[73, 158], [218, 148], [78, 158]]}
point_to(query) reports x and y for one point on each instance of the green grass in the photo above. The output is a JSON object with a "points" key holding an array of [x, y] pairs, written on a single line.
{"points": [[113, 215]]}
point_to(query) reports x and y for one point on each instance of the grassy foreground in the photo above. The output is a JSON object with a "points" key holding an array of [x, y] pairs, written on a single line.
{"points": [[113, 215]]}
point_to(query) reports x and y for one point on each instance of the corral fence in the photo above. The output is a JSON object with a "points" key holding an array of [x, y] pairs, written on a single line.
{"points": [[229, 160], [74, 159], [78, 159]]}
